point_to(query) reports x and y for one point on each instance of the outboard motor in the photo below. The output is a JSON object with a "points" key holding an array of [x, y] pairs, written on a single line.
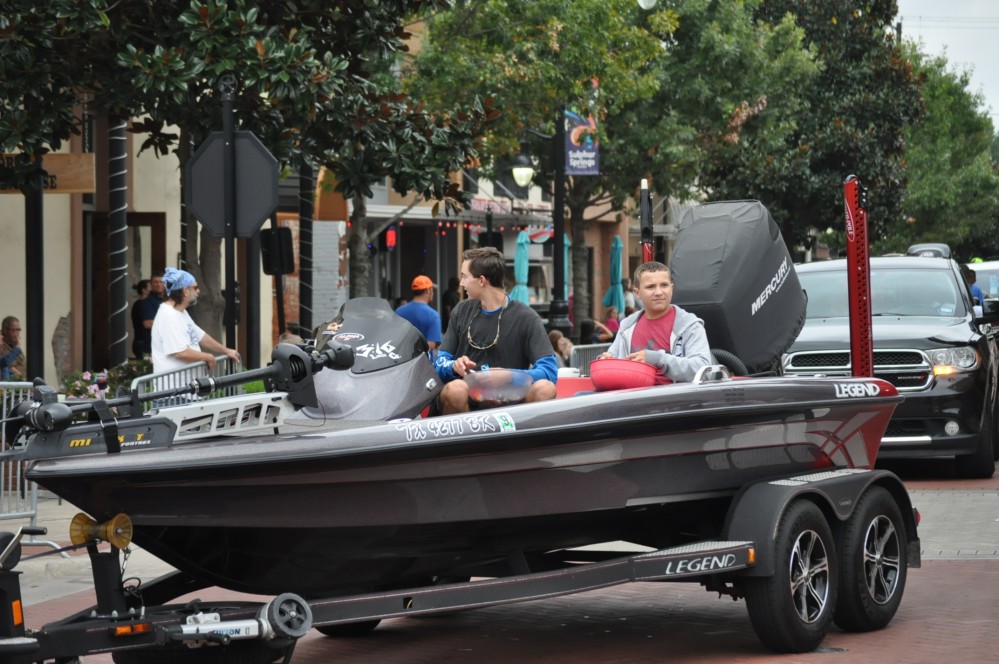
{"points": [[733, 270], [392, 376]]}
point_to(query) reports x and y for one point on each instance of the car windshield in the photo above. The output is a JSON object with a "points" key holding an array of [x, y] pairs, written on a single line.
{"points": [[895, 292]]}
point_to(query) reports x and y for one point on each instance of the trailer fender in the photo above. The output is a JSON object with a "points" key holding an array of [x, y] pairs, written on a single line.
{"points": [[757, 509]]}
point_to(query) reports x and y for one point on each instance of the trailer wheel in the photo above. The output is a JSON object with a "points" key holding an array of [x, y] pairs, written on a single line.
{"points": [[873, 557], [237, 652], [349, 630], [792, 609]]}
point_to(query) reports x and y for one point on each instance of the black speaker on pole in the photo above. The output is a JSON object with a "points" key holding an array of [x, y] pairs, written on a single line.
{"points": [[277, 254]]}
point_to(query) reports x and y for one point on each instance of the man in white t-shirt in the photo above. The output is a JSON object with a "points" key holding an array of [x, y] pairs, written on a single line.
{"points": [[177, 341]]}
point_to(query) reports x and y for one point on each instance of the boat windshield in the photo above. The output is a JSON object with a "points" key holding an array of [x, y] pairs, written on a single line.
{"points": [[894, 292], [380, 339]]}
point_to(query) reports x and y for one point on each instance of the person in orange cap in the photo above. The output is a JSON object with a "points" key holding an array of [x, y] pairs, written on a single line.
{"points": [[419, 312]]}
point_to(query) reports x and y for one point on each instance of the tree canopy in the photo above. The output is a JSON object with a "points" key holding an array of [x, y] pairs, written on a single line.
{"points": [[953, 186], [677, 88], [314, 81], [728, 106], [852, 122]]}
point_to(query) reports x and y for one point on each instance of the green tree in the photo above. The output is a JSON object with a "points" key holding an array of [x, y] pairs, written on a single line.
{"points": [[857, 109], [675, 85], [312, 85], [533, 56], [953, 187], [727, 107]]}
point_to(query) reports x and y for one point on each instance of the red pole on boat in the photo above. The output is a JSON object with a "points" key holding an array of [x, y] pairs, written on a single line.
{"points": [[645, 219], [858, 278]]}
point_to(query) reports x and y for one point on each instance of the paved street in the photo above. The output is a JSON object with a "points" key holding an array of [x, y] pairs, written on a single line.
{"points": [[949, 612]]}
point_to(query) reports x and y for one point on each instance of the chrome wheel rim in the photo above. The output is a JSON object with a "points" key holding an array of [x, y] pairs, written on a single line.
{"points": [[882, 559], [809, 574]]}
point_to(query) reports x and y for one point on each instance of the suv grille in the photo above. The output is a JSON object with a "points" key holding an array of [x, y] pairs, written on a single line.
{"points": [[907, 370], [906, 429]]}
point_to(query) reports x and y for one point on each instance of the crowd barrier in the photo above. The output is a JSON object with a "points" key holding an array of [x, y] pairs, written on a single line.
{"points": [[165, 380], [583, 354], [18, 496]]}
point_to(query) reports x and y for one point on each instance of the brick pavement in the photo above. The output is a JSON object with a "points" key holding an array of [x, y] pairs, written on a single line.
{"points": [[949, 607], [949, 611]]}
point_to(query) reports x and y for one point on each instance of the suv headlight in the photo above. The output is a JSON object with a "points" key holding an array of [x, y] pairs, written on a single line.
{"points": [[953, 360]]}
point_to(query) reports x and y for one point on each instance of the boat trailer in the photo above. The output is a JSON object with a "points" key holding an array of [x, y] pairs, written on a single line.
{"points": [[124, 621]]}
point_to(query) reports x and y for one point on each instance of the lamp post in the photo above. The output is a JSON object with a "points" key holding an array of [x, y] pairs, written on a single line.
{"points": [[523, 173], [489, 227]]}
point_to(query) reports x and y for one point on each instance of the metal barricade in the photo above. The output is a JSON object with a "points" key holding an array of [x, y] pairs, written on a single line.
{"points": [[18, 496], [583, 354], [165, 380]]}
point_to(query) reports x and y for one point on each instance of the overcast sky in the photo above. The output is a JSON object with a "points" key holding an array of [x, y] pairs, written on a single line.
{"points": [[966, 32]]}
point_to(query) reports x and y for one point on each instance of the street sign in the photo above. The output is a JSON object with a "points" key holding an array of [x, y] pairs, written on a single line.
{"points": [[65, 172], [256, 184]]}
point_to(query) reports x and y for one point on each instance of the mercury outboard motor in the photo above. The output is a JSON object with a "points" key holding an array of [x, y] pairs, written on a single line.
{"points": [[392, 376], [733, 270]]}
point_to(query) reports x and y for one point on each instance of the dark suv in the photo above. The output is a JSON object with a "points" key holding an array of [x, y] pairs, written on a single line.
{"points": [[928, 341]]}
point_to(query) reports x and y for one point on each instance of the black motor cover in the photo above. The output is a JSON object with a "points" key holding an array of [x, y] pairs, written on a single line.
{"points": [[732, 269]]}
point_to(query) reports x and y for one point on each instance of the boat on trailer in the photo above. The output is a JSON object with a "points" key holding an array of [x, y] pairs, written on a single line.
{"points": [[332, 493]]}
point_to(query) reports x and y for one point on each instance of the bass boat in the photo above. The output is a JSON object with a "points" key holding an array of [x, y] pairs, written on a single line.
{"points": [[336, 483]]}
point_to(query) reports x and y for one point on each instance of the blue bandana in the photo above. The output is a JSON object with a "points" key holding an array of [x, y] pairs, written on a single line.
{"points": [[176, 280]]}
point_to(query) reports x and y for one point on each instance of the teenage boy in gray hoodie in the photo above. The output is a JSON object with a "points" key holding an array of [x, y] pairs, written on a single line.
{"points": [[662, 334]]}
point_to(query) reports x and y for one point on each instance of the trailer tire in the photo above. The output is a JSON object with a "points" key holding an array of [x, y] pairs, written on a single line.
{"points": [[348, 630], [237, 652], [873, 560], [791, 611]]}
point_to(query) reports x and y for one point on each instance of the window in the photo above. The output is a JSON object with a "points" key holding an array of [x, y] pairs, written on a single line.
{"points": [[893, 293]]}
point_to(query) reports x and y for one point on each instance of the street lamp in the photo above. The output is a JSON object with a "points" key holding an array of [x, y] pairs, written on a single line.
{"points": [[523, 167], [523, 173], [647, 4]]}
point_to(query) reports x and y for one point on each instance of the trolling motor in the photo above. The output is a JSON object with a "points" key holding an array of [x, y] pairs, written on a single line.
{"points": [[45, 422], [291, 370]]}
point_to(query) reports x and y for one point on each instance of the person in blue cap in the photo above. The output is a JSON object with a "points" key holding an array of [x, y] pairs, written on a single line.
{"points": [[177, 341]]}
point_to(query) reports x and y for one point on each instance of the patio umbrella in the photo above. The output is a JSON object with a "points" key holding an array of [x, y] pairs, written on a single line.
{"points": [[615, 294], [520, 269]]}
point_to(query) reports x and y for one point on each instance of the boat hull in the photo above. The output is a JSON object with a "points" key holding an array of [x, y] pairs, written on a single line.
{"points": [[327, 512]]}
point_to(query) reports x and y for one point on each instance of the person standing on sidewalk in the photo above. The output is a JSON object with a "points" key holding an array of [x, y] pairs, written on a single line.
{"points": [[13, 363], [177, 341], [419, 312], [141, 335], [151, 302]]}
